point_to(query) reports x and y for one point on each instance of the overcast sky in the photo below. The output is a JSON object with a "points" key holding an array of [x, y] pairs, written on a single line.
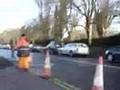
{"points": [[15, 13]]}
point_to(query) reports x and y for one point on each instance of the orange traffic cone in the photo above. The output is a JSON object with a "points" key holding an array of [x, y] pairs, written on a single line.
{"points": [[98, 83], [46, 72]]}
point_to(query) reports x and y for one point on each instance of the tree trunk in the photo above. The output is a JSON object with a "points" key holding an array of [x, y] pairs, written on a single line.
{"points": [[88, 31]]}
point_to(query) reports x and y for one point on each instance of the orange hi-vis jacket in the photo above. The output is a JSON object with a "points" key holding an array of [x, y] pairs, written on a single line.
{"points": [[22, 42]]}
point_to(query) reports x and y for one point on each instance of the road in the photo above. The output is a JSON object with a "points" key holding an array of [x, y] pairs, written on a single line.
{"points": [[78, 71]]}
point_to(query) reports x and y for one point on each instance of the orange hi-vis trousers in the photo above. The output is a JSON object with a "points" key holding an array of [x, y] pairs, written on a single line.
{"points": [[24, 62]]}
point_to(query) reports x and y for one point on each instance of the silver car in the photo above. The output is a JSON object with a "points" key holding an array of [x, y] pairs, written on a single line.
{"points": [[74, 48]]}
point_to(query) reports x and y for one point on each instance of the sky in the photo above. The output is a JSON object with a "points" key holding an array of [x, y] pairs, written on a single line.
{"points": [[16, 13]]}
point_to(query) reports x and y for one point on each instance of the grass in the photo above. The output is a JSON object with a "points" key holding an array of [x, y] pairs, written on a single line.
{"points": [[5, 63]]}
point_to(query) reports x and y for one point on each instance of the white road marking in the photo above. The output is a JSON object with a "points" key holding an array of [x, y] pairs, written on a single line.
{"points": [[114, 67], [94, 64], [90, 63]]}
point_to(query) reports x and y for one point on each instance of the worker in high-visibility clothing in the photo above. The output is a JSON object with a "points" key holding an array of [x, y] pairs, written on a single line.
{"points": [[23, 53]]}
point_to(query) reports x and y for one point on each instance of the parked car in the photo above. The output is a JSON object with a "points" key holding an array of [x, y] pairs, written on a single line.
{"points": [[30, 46], [112, 54], [52, 46], [74, 48], [36, 48], [5, 46]]}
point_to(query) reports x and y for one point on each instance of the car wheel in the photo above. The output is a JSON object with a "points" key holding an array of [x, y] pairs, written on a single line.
{"points": [[110, 57], [71, 53]]}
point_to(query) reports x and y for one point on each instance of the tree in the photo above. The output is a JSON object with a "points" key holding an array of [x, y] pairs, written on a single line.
{"points": [[44, 17], [60, 19], [99, 13], [57, 33], [40, 6], [105, 12], [86, 9]]}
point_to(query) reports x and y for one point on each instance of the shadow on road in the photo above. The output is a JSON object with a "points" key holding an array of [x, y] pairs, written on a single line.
{"points": [[5, 63]]}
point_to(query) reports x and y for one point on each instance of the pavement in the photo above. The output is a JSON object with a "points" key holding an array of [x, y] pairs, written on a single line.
{"points": [[12, 78]]}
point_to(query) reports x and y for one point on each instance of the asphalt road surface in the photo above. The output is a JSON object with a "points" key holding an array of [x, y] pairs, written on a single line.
{"points": [[79, 71]]}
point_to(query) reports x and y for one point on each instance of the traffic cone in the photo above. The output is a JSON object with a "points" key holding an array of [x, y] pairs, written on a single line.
{"points": [[46, 72], [98, 83]]}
